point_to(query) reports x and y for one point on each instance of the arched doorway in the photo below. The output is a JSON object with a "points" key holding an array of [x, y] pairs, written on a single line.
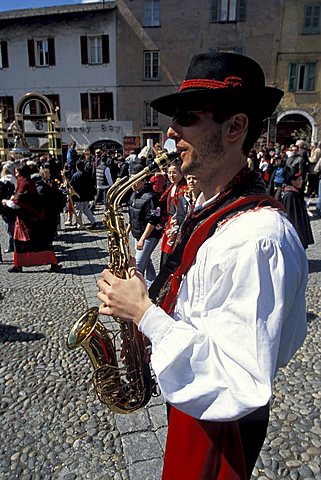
{"points": [[295, 120], [105, 145], [39, 120]]}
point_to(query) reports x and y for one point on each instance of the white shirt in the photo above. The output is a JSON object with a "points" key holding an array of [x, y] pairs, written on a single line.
{"points": [[240, 315]]}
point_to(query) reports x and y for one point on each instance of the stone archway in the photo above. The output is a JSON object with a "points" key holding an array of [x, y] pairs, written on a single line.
{"points": [[292, 120], [38, 118]]}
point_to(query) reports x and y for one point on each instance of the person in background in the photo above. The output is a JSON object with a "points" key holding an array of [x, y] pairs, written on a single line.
{"points": [[85, 192], [144, 224], [232, 309], [169, 202], [72, 158], [295, 206], [31, 243], [158, 182], [103, 181], [8, 183], [186, 203], [314, 157], [317, 170]]}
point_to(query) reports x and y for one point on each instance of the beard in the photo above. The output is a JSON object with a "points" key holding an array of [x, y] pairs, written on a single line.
{"points": [[206, 156]]}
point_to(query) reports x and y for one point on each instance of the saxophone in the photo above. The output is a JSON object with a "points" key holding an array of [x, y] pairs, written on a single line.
{"points": [[127, 388]]}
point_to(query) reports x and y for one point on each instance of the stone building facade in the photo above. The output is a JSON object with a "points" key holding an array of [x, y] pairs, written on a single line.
{"points": [[101, 64], [298, 71]]}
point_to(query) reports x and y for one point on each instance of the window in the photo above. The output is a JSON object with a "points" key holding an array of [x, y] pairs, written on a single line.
{"points": [[6, 104], [4, 55], [151, 65], [150, 116], [94, 49], [224, 11], [97, 106], [312, 14], [41, 52], [302, 77], [152, 13]]}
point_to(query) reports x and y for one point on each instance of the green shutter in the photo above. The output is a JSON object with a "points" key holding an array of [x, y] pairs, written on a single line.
{"points": [[215, 11], [241, 14], [292, 76], [311, 76]]}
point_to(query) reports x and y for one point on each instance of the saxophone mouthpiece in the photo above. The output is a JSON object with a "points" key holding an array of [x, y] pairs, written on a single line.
{"points": [[165, 159]]}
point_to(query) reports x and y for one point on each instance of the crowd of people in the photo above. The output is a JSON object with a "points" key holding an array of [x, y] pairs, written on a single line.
{"points": [[35, 195], [293, 176]]}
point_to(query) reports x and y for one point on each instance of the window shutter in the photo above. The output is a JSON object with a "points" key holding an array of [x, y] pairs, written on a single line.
{"points": [[83, 50], [215, 11], [84, 106], [311, 76], [316, 19], [241, 14], [105, 43], [110, 105], [292, 76], [31, 53], [4, 54], [51, 50]]}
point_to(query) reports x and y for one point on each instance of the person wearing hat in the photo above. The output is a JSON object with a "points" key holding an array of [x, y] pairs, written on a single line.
{"points": [[231, 307], [295, 206]]}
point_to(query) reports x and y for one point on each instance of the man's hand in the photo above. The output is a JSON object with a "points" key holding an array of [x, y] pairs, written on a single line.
{"points": [[140, 244], [126, 299]]}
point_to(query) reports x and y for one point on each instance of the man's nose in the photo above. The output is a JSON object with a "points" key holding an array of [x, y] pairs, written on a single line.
{"points": [[173, 133]]}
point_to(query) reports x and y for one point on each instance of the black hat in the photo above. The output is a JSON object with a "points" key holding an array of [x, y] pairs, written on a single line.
{"points": [[223, 76]]}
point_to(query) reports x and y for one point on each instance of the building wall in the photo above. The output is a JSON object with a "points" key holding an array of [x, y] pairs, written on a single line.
{"points": [[68, 78], [271, 35], [185, 30], [298, 47]]}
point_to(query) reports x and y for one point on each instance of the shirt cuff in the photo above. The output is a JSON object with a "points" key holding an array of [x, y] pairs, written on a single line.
{"points": [[155, 324]]}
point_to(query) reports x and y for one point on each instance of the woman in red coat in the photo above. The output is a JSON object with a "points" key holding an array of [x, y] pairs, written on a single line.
{"points": [[169, 202], [32, 246]]}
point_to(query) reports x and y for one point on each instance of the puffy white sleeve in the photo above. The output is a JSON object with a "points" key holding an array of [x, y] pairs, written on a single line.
{"points": [[235, 323]]}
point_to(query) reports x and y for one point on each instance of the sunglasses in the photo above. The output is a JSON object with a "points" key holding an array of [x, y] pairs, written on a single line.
{"points": [[186, 118]]}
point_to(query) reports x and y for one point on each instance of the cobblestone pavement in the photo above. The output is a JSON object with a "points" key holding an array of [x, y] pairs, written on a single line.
{"points": [[53, 426]]}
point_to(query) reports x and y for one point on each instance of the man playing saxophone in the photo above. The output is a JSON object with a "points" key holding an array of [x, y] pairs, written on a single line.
{"points": [[233, 309]]}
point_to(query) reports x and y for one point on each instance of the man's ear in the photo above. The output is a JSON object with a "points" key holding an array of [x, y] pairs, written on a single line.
{"points": [[236, 127]]}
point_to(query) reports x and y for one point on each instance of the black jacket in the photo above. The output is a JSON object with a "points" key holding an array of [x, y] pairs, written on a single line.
{"points": [[144, 209], [83, 185], [296, 210]]}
